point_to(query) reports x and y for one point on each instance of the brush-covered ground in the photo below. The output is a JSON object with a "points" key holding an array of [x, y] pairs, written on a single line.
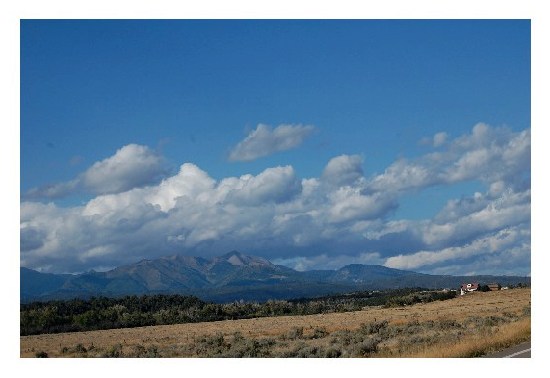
{"points": [[468, 326]]}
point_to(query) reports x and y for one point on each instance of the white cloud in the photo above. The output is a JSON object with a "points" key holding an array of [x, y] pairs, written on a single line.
{"points": [[343, 170], [131, 166], [190, 182], [460, 221], [54, 191], [324, 261], [277, 184], [265, 141], [348, 203], [509, 209], [279, 215], [404, 175], [486, 154], [439, 139], [504, 242]]}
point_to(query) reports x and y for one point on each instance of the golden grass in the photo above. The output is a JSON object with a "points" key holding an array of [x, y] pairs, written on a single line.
{"points": [[479, 344], [178, 340]]}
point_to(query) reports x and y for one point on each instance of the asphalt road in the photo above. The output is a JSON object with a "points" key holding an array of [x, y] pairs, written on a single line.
{"points": [[519, 351]]}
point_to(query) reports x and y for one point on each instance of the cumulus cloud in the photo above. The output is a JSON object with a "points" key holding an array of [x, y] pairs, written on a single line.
{"points": [[507, 241], [131, 166], [338, 218], [439, 139], [265, 141], [500, 213], [486, 154], [53, 191], [182, 211], [460, 221], [343, 170], [348, 203], [272, 185]]}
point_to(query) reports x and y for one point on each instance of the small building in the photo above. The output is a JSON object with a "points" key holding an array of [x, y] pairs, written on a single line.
{"points": [[494, 286], [469, 287]]}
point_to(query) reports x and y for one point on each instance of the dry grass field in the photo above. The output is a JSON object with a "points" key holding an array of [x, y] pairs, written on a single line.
{"points": [[467, 326]]}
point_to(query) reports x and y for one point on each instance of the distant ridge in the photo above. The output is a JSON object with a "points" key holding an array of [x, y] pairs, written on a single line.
{"points": [[232, 276]]}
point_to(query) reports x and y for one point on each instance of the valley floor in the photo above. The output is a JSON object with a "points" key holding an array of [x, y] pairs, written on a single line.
{"points": [[467, 326]]}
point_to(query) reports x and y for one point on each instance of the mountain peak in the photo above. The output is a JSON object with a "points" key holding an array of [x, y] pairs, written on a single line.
{"points": [[233, 253], [237, 258]]}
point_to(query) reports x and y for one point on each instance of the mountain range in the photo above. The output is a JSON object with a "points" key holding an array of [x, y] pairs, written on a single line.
{"points": [[230, 277]]}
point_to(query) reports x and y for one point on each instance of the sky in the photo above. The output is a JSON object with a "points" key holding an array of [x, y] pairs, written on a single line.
{"points": [[312, 143]]}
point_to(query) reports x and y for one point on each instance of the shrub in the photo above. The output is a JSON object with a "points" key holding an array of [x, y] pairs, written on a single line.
{"points": [[346, 337], [494, 320], [141, 351], [373, 327], [412, 328], [237, 337], [296, 333], [294, 351], [366, 347], [41, 354], [333, 352], [445, 324], [211, 345], [113, 352], [319, 333], [250, 348], [152, 351], [308, 352]]}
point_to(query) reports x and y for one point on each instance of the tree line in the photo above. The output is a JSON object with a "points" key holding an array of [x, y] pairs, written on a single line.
{"points": [[137, 311]]}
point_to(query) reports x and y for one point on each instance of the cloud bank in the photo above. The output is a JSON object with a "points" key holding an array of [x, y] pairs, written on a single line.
{"points": [[341, 217], [266, 141]]}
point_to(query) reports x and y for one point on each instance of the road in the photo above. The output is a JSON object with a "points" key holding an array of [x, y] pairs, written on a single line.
{"points": [[519, 351]]}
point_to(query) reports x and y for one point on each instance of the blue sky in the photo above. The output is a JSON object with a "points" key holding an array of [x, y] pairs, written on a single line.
{"points": [[313, 143]]}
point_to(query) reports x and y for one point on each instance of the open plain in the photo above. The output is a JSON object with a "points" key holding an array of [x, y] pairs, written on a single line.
{"points": [[468, 326]]}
